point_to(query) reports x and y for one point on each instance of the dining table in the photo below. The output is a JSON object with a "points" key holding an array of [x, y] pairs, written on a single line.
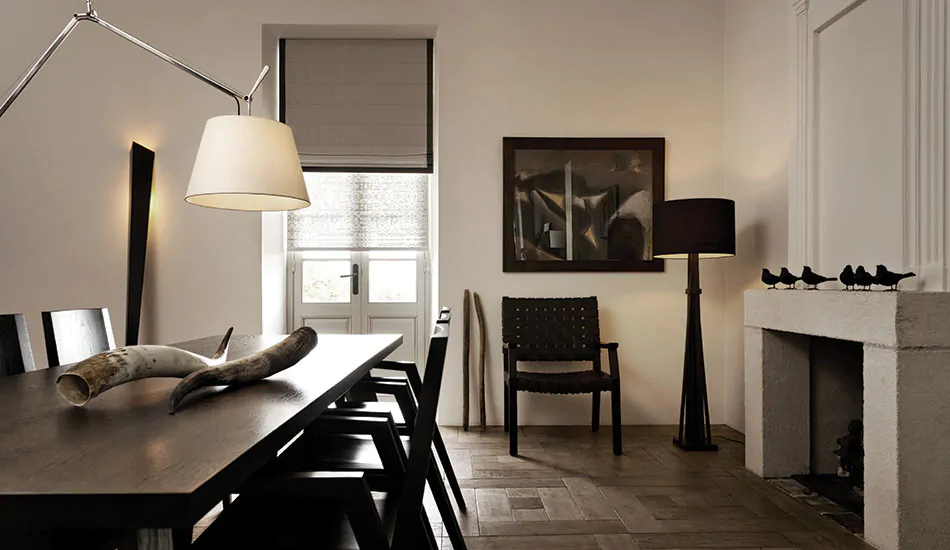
{"points": [[121, 472]]}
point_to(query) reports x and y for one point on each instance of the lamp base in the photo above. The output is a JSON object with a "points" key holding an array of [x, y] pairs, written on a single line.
{"points": [[695, 446]]}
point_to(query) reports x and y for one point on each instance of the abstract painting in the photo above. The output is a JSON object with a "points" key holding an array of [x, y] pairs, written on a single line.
{"points": [[581, 204]]}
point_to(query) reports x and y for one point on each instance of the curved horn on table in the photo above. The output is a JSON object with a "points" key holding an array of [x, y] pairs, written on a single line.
{"points": [[283, 355], [90, 377]]}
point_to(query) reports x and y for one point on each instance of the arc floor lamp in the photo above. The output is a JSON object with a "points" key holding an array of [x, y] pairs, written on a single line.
{"points": [[244, 162]]}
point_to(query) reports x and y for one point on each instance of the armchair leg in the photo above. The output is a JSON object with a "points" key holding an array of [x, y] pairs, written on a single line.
{"points": [[506, 408], [513, 420], [595, 411], [616, 421]]}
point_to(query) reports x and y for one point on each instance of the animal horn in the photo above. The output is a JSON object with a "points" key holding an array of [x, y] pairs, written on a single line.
{"points": [[90, 377], [221, 355], [262, 364]]}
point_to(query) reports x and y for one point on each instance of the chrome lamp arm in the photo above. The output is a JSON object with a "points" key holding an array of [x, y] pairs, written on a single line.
{"points": [[92, 16]]}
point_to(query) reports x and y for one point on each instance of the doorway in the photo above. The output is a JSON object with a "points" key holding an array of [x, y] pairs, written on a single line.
{"points": [[363, 292]]}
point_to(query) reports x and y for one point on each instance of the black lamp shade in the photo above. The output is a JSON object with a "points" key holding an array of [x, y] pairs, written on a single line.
{"points": [[706, 227]]}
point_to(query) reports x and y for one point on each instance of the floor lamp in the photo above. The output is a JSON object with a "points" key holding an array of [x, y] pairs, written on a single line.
{"points": [[691, 229], [243, 163]]}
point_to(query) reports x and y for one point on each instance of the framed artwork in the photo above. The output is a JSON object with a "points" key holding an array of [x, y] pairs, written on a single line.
{"points": [[581, 204]]}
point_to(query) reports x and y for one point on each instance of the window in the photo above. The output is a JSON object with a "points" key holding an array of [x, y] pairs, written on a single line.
{"points": [[362, 212]]}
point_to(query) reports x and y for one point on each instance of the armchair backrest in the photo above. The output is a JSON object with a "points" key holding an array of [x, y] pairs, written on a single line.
{"points": [[551, 329]]}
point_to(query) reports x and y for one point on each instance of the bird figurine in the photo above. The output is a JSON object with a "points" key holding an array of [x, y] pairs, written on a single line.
{"points": [[788, 278], [847, 277], [862, 278], [887, 278], [770, 278], [812, 279]]}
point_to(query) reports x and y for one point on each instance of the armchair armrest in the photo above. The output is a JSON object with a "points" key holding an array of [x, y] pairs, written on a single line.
{"points": [[612, 357]]}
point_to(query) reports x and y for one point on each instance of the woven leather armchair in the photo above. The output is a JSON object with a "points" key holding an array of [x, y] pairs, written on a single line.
{"points": [[552, 330]]}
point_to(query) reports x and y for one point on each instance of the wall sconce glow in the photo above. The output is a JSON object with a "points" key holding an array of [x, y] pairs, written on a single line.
{"points": [[247, 163]]}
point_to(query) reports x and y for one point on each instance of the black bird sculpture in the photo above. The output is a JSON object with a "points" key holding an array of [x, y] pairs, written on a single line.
{"points": [[887, 278], [788, 279], [812, 279], [862, 278], [847, 277], [770, 278]]}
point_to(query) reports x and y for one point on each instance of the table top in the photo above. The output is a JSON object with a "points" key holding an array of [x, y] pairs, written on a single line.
{"points": [[123, 458]]}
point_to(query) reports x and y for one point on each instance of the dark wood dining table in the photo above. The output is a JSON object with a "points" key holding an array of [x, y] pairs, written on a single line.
{"points": [[123, 468]]}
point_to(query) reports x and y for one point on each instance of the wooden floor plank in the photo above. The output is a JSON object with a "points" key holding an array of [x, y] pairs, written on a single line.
{"points": [[705, 540], [559, 504], [492, 505], [556, 542], [576, 527]]}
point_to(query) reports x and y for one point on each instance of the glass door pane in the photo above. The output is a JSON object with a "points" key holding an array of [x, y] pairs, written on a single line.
{"points": [[393, 277], [324, 278]]}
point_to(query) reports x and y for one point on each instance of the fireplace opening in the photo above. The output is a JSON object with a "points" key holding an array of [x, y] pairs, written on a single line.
{"points": [[837, 429]]}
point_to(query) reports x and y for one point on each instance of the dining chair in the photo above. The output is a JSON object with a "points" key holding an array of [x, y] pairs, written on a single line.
{"points": [[76, 334], [16, 355], [364, 398], [553, 330], [285, 508]]}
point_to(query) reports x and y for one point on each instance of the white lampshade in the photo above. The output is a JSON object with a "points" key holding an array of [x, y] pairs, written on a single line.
{"points": [[247, 163]]}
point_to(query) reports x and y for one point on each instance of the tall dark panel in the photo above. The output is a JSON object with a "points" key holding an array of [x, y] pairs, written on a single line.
{"points": [[142, 164]]}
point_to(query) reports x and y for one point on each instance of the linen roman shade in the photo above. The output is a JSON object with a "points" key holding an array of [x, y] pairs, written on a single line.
{"points": [[359, 105], [374, 211]]}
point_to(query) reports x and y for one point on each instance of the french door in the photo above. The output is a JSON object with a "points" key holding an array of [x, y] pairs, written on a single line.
{"points": [[350, 292]]}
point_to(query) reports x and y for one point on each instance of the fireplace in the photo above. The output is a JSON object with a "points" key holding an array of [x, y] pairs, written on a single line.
{"points": [[801, 345], [836, 426]]}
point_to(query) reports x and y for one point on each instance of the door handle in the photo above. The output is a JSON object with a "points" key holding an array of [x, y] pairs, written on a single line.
{"points": [[354, 277]]}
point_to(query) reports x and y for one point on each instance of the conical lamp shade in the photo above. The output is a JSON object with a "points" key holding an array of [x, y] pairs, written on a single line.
{"points": [[247, 163]]}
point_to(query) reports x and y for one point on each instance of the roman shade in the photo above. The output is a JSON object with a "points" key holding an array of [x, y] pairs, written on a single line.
{"points": [[359, 104], [372, 211]]}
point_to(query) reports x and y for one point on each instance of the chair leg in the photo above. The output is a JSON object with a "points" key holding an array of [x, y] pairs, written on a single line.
{"points": [[595, 411], [616, 421], [364, 520], [449, 469], [506, 408], [513, 420], [449, 520]]}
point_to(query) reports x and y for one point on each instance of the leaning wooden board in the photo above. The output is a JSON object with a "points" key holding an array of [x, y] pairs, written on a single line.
{"points": [[480, 317], [466, 352]]}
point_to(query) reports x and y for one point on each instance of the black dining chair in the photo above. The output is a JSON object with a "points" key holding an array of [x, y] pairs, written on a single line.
{"points": [[16, 355], [288, 507], [364, 398], [76, 334], [557, 330]]}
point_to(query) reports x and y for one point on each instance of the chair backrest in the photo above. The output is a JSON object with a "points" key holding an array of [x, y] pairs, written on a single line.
{"points": [[16, 355], [407, 529], [76, 334], [551, 329]]}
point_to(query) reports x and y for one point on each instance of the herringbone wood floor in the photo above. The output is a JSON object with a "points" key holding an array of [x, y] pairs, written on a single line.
{"points": [[567, 490]]}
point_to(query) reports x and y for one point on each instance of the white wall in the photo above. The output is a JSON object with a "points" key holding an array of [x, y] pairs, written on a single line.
{"points": [[505, 68], [756, 152], [869, 182]]}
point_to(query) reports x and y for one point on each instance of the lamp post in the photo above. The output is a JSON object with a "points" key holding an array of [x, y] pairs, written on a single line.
{"points": [[691, 229]]}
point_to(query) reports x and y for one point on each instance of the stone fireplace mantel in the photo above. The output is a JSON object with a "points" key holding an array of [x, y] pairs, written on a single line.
{"points": [[906, 340]]}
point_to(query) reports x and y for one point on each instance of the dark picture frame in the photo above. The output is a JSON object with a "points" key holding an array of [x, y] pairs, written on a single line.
{"points": [[613, 183]]}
